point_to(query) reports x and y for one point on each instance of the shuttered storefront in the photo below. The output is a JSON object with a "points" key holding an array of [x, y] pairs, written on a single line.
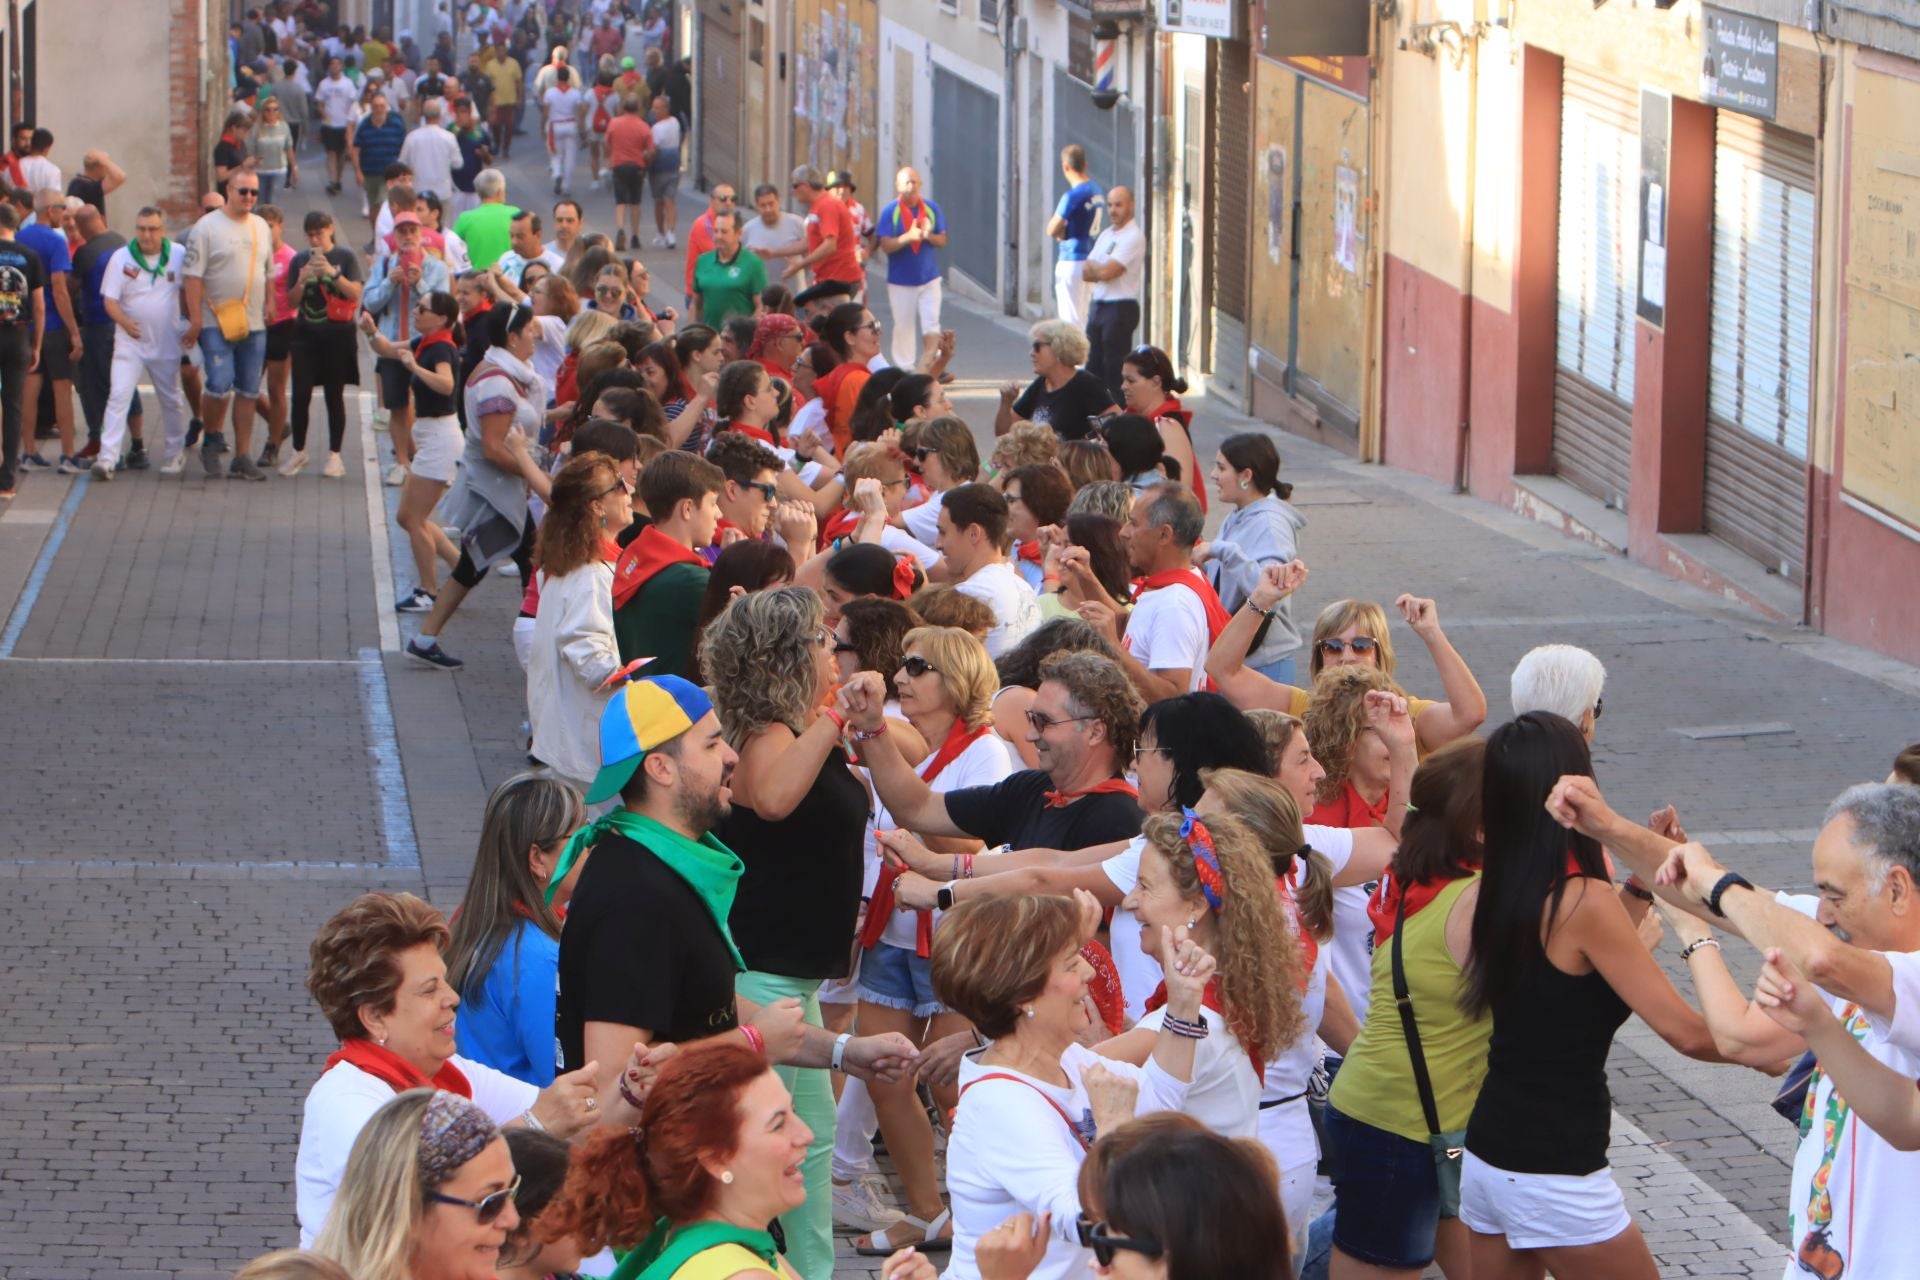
{"points": [[1599, 263], [1230, 205], [1760, 376], [721, 85], [966, 173]]}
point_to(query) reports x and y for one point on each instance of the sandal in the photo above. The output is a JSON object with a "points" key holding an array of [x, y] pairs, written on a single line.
{"points": [[931, 1241]]}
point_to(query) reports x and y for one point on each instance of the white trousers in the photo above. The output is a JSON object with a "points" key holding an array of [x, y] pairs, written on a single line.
{"points": [[164, 373], [566, 152], [911, 303], [853, 1135], [1070, 292]]}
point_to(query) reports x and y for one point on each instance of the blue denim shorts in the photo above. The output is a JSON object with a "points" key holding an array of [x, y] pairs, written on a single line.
{"points": [[896, 978], [232, 366], [1386, 1196]]}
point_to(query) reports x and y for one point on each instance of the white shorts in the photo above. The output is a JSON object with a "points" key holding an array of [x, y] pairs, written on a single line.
{"points": [[1541, 1210], [437, 444]]}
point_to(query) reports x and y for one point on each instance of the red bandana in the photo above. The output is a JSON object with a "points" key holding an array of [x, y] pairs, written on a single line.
{"points": [[880, 907], [1349, 809], [840, 524], [1061, 799], [385, 1065], [1030, 552], [756, 433], [644, 558]]}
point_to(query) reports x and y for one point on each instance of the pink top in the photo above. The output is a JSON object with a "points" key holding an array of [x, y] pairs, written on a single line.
{"points": [[282, 305]]}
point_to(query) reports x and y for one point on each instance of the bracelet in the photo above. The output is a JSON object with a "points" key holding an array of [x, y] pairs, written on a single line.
{"points": [[839, 721], [868, 735], [1686, 952], [840, 1050], [1265, 613], [626, 1094], [1637, 890], [755, 1041], [533, 1121], [1184, 1029], [966, 866]]}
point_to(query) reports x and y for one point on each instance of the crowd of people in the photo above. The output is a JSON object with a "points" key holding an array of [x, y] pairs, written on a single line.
{"points": [[885, 793]]}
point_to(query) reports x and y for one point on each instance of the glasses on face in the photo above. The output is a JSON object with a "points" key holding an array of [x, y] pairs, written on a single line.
{"points": [[487, 1208], [1359, 644], [1093, 1235], [726, 199], [825, 639], [621, 484], [916, 666], [1040, 721], [1042, 345], [888, 484], [611, 290], [921, 455], [767, 492], [841, 646], [1140, 751], [1598, 704], [249, 192]]}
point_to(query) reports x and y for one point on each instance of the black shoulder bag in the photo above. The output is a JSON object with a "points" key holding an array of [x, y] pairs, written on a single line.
{"points": [[1447, 1147]]}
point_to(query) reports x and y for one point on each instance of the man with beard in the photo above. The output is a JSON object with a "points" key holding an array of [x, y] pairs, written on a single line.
{"points": [[647, 955]]}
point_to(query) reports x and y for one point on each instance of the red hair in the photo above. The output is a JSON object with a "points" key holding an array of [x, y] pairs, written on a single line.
{"points": [[622, 1181]]}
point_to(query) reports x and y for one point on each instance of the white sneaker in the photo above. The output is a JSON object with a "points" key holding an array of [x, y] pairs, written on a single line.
{"points": [[296, 463], [671, 242], [175, 465], [335, 468], [380, 419], [594, 185], [396, 475], [509, 570], [857, 1206]]}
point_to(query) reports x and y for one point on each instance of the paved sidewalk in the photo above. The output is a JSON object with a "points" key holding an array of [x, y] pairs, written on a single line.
{"points": [[216, 744]]}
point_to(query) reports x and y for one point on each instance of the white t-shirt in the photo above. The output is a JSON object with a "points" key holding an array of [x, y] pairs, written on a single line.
{"points": [[923, 521], [398, 91], [41, 174], [1127, 246], [1288, 1130], [1871, 1224], [1352, 941], [1012, 602], [900, 542], [338, 1108], [985, 762], [563, 105], [666, 135], [336, 99], [1225, 1093], [549, 348], [434, 153], [153, 304], [786, 229], [1168, 631]]}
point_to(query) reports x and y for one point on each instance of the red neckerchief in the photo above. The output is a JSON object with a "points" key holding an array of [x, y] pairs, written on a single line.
{"points": [[1170, 408], [880, 907], [1029, 551], [1061, 799], [388, 1067], [838, 525], [1349, 809], [444, 335], [1210, 999], [1191, 579], [908, 214], [1108, 998], [468, 317], [753, 433], [520, 908], [645, 557], [1384, 902]]}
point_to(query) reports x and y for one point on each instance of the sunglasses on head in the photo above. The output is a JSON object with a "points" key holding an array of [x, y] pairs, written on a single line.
{"points": [[1359, 644], [487, 1208], [1093, 1235], [916, 666]]}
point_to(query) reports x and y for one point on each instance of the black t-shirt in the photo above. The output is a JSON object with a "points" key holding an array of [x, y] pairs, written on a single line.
{"points": [[639, 949], [1014, 812], [428, 403], [310, 300], [21, 272], [1081, 397], [227, 154], [92, 190], [799, 901]]}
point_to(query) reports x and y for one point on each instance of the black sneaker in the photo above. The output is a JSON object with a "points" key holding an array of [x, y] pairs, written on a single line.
{"points": [[194, 428], [269, 455], [433, 655], [210, 451], [137, 460], [418, 600], [620, 241]]}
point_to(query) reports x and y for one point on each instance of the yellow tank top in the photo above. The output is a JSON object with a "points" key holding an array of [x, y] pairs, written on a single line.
{"points": [[1375, 1085], [721, 1261]]}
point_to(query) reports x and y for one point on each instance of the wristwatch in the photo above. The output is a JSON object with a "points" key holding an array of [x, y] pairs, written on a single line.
{"points": [[840, 1050], [943, 896], [1720, 887]]}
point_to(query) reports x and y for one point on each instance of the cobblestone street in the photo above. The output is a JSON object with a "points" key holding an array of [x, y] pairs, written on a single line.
{"points": [[215, 742]]}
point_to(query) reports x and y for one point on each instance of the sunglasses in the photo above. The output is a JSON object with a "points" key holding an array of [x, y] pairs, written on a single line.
{"points": [[841, 646], [1093, 1235], [921, 455], [621, 483], [1038, 345], [487, 1208], [1598, 704], [614, 289], [767, 491], [917, 666], [1359, 644], [1042, 722], [246, 191]]}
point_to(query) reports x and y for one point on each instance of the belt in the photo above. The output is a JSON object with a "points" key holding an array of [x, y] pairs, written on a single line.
{"points": [[1270, 1104]]}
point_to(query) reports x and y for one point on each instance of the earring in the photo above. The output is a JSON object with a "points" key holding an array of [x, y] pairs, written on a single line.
{"points": [[726, 1176], [1191, 922], [382, 1042], [1029, 1011]]}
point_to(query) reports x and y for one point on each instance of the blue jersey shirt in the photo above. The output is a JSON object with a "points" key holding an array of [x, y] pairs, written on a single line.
{"points": [[908, 267], [506, 1018], [51, 245], [1080, 206]]}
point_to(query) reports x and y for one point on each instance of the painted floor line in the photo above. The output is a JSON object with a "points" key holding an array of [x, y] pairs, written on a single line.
{"points": [[42, 566], [389, 777], [202, 662], [383, 588]]}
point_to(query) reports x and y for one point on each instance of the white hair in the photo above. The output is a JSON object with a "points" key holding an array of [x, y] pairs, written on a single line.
{"points": [[1560, 678], [1886, 827], [490, 184], [432, 110]]}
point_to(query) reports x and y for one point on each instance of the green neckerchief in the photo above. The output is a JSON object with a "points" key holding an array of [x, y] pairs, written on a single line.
{"points": [[133, 249], [710, 868], [669, 1248]]}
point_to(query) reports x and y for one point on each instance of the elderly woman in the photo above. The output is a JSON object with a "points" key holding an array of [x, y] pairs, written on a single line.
{"points": [[444, 1160], [1062, 395], [504, 957], [378, 976], [1346, 632], [1013, 967], [944, 685], [1262, 530], [716, 1148], [947, 457], [798, 820]]}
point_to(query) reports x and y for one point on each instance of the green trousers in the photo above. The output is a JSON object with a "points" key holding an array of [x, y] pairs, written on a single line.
{"points": [[809, 1229]]}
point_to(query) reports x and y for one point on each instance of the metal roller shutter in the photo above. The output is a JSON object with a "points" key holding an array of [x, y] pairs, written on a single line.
{"points": [[1760, 376], [721, 89], [966, 172], [1599, 267], [1230, 200]]}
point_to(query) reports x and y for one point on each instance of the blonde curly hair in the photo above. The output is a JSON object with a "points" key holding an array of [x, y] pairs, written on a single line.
{"points": [[760, 660], [1257, 951], [1337, 716]]}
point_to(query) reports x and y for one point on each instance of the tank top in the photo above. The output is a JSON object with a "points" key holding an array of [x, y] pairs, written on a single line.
{"points": [[721, 1261], [1375, 1084], [1545, 1107]]}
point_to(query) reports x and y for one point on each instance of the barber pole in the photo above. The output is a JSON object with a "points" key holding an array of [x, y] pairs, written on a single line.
{"points": [[1106, 38]]}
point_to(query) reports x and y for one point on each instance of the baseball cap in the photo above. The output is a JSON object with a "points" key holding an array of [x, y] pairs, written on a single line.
{"points": [[641, 715], [404, 219], [840, 178], [626, 64]]}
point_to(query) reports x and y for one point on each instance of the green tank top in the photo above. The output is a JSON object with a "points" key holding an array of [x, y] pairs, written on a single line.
{"points": [[1375, 1084]]}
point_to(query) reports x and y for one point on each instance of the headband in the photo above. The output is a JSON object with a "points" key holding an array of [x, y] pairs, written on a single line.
{"points": [[770, 327], [905, 571], [1206, 862], [452, 1132]]}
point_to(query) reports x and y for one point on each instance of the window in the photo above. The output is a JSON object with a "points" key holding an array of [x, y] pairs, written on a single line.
{"points": [[990, 13]]}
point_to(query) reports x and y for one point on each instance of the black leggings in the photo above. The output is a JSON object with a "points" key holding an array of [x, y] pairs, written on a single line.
{"points": [[468, 574], [311, 362]]}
